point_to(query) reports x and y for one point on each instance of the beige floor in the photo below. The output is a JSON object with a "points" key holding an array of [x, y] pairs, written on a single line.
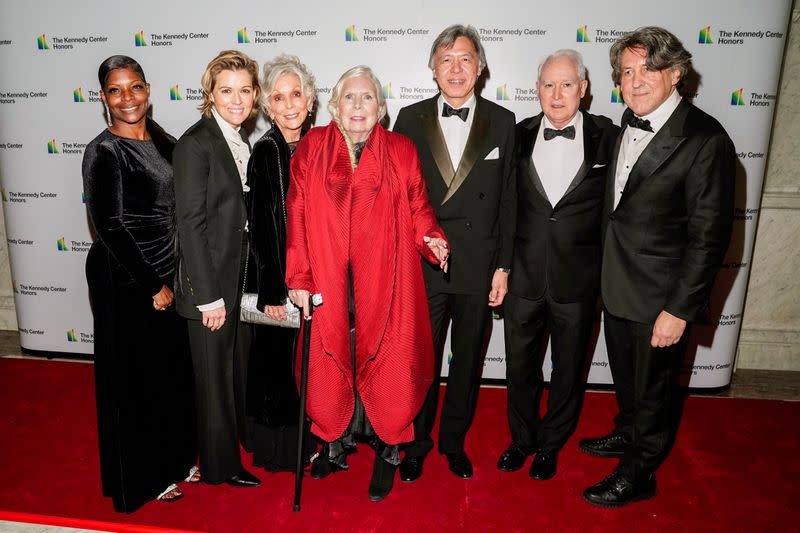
{"points": [[17, 527], [764, 384]]}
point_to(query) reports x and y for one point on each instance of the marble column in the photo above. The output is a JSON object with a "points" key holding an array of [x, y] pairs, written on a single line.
{"points": [[770, 337]]}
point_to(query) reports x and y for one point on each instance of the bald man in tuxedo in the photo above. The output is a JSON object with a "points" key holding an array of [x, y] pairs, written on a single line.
{"points": [[561, 159]]}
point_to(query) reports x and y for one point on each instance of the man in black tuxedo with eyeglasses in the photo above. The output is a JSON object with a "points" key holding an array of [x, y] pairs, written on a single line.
{"points": [[667, 223], [465, 143], [561, 159]]}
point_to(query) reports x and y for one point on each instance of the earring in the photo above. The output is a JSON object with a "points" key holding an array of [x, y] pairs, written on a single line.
{"points": [[108, 115]]}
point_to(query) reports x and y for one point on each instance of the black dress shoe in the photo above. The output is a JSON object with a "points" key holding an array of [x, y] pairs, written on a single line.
{"points": [[513, 458], [382, 479], [544, 465], [611, 445], [244, 479], [459, 464], [411, 468], [617, 490]]}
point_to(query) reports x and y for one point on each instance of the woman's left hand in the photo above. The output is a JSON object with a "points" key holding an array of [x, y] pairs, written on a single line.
{"points": [[439, 248], [275, 312], [301, 299]]}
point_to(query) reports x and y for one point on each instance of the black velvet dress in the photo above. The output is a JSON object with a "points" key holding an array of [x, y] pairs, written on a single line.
{"points": [[272, 398], [143, 372]]}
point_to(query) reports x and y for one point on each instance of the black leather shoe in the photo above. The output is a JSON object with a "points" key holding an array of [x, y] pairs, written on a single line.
{"points": [[459, 464], [244, 479], [617, 490], [513, 458], [382, 479], [544, 465], [411, 468], [611, 445]]}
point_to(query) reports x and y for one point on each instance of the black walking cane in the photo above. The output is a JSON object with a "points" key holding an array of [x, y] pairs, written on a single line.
{"points": [[301, 425]]}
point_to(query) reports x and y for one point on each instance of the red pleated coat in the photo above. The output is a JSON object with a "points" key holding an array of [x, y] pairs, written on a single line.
{"points": [[374, 219]]}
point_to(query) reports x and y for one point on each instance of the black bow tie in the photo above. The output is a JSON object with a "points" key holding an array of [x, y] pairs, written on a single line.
{"points": [[462, 113], [639, 123], [567, 133]]}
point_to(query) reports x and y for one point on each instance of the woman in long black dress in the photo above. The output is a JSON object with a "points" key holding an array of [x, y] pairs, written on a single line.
{"points": [[288, 96], [143, 373]]}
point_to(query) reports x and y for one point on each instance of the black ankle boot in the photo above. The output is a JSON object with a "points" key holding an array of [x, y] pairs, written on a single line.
{"points": [[382, 479]]}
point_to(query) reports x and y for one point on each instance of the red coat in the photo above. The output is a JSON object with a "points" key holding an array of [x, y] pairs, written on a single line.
{"points": [[373, 218]]}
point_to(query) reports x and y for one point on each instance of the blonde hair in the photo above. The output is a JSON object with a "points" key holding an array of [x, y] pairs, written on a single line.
{"points": [[228, 60]]}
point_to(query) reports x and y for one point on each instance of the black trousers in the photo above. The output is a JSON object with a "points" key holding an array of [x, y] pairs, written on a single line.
{"points": [[220, 372], [470, 315], [570, 326], [646, 380]]}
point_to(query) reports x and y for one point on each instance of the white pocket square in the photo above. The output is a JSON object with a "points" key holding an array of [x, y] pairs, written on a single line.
{"points": [[600, 165], [494, 154]]}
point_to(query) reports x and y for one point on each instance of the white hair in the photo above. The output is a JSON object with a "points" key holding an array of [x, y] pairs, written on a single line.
{"points": [[359, 71], [572, 55]]}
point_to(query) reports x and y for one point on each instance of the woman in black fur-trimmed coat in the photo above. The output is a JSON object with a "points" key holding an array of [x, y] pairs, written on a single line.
{"points": [[288, 97]]}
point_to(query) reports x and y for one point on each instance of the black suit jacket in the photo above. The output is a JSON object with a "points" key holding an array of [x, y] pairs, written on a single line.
{"points": [[667, 237], [558, 248], [474, 203], [211, 217]]}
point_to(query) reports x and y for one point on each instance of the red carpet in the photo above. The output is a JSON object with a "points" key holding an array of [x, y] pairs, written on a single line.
{"points": [[734, 467]]}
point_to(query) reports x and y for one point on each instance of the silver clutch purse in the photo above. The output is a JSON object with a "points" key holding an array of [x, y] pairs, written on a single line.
{"points": [[249, 312]]}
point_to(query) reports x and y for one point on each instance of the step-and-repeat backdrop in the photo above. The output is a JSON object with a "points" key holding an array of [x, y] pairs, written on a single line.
{"points": [[50, 109]]}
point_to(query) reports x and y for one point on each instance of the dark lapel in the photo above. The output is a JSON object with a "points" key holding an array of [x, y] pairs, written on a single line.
{"points": [[433, 134], [475, 142], [661, 147], [591, 139], [529, 134], [224, 154]]}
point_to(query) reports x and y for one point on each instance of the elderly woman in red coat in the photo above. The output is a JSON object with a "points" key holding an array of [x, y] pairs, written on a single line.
{"points": [[358, 221]]}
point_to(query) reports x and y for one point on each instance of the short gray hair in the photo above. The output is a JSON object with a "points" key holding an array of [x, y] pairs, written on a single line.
{"points": [[287, 64], [448, 37], [359, 71], [663, 50], [572, 55]]}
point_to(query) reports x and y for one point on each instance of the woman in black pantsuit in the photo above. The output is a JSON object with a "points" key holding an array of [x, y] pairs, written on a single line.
{"points": [[210, 183]]}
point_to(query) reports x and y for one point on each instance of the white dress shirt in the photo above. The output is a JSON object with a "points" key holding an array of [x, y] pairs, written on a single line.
{"points": [[634, 141], [558, 160], [240, 151], [455, 130]]}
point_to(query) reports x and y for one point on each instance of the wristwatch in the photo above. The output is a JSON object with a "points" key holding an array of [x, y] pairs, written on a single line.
{"points": [[504, 269]]}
